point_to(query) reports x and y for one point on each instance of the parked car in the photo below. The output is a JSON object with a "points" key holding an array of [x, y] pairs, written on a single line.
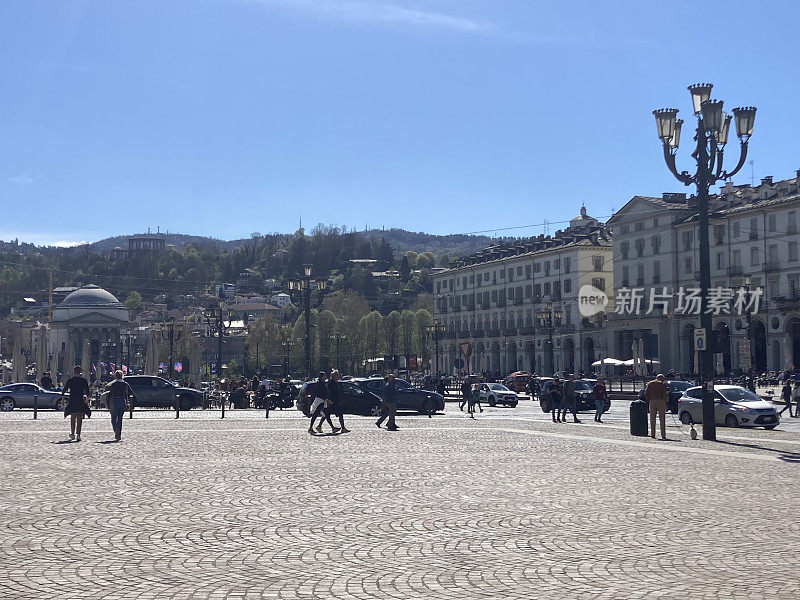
{"points": [[537, 383], [157, 392], [497, 393], [355, 400], [408, 397], [676, 388], [20, 395], [734, 406], [584, 398], [517, 382]]}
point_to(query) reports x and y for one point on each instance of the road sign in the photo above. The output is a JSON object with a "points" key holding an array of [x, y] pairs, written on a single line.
{"points": [[700, 339], [745, 358]]}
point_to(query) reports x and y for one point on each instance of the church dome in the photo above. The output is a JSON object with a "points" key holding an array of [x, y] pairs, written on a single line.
{"points": [[90, 295]]}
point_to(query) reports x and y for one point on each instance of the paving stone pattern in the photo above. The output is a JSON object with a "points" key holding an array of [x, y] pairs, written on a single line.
{"points": [[506, 506]]}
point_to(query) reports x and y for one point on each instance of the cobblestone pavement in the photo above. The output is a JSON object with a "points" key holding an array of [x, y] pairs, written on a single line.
{"points": [[508, 505]]}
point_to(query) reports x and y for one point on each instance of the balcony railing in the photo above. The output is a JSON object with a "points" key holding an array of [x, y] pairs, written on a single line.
{"points": [[530, 330], [772, 265], [787, 302], [485, 305], [501, 303], [492, 332], [510, 331], [735, 270], [518, 302]]}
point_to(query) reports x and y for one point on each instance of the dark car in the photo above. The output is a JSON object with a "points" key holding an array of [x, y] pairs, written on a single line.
{"points": [[584, 398], [156, 392], [676, 388], [355, 400], [408, 397]]}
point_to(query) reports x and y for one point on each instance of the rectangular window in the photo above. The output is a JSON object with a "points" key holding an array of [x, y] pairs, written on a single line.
{"points": [[486, 276], [599, 283], [719, 234], [737, 258], [772, 253], [502, 273], [792, 251], [567, 264], [598, 261], [625, 280], [754, 257], [536, 267], [527, 271], [623, 229], [519, 271], [720, 261], [640, 274], [688, 239], [639, 245], [791, 222], [623, 250], [687, 266], [556, 264], [537, 290], [464, 282], [735, 229], [438, 286], [567, 286], [753, 229], [655, 244], [472, 278], [639, 226], [656, 271], [547, 289], [772, 222]]}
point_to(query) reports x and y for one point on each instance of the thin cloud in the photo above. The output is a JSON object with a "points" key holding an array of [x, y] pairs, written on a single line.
{"points": [[376, 12], [22, 179]]}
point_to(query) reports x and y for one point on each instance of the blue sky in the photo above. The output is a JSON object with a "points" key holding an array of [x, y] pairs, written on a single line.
{"points": [[225, 117]]}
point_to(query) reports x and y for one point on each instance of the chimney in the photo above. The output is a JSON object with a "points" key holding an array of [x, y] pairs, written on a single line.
{"points": [[766, 180]]}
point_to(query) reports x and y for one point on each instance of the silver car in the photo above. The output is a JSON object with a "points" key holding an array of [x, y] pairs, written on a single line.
{"points": [[497, 393], [734, 406], [20, 395]]}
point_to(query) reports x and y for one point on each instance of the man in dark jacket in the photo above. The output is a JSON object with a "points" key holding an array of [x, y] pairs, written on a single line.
{"points": [[466, 393], [321, 400], [335, 395], [389, 406]]}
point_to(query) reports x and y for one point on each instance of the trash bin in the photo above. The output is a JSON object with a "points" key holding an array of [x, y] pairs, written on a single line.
{"points": [[639, 414]]}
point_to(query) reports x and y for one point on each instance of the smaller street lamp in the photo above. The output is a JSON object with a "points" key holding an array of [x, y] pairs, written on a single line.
{"points": [[303, 287], [549, 318], [436, 331]]}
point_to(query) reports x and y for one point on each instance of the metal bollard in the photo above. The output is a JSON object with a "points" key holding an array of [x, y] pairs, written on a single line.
{"points": [[35, 406], [223, 405], [130, 413], [177, 408]]}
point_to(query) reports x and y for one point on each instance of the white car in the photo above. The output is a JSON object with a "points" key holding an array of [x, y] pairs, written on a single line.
{"points": [[497, 393], [734, 406]]}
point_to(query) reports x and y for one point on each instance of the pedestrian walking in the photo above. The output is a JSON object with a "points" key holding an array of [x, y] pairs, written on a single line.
{"points": [[466, 391], [555, 395], [570, 402], [47, 381], [335, 395], [657, 395], [119, 396], [599, 393], [389, 404], [786, 396], [796, 398], [474, 398], [78, 405], [321, 402]]}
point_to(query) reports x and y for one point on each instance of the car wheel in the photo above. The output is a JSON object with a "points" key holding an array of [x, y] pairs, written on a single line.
{"points": [[61, 404], [428, 407], [492, 401], [513, 404], [7, 404], [375, 410], [686, 418], [730, 421], [770, 426], [545, 406]]}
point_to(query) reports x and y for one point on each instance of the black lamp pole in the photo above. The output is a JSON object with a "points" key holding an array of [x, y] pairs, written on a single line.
{"points": [[711, 136], [303, 286], [169, 335]]}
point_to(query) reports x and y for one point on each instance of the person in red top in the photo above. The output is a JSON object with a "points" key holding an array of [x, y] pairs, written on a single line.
{"points": [[599, 393]]}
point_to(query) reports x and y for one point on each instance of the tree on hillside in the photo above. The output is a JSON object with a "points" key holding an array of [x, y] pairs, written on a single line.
{"points": [[405, 269], [371, 328], [133, 301], [407, 331], [422, 319], [391, 327]]}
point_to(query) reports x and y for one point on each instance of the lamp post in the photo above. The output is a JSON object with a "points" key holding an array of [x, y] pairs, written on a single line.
{"points": [[711, 135], [749, 337], [337, 338], [217, 326], [436, 331], [303, 287], [549, 318], [169, 335], [287, 346]]}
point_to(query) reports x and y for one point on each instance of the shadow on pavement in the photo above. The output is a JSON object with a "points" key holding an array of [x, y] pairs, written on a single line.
{"points": [[791, 457]]}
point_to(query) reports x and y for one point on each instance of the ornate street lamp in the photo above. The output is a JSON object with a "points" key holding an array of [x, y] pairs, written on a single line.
{"points": [[549, 318], [711, 135], [337, 338], [436, 331], [303, 288]]}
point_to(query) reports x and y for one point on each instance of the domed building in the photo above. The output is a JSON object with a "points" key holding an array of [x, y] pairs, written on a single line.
{"points": [[89, 313]]}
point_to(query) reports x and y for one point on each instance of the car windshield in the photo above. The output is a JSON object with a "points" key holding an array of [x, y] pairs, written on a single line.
{"points": [[499, 387], [582, 386], [739, 395]]}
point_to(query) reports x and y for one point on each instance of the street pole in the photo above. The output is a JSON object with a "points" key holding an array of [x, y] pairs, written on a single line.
{"points": [[711, 136], [307, 307]]}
